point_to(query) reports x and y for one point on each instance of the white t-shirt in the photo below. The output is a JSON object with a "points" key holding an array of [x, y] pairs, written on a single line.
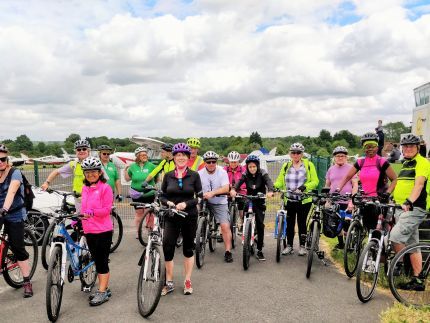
{"points": [[211, 182]]}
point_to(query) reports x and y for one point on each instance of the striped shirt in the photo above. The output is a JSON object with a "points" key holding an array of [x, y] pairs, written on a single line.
{"points": [[295, 178]]}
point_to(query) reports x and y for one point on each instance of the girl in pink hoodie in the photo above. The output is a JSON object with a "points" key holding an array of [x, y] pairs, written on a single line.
{"points": [[97, 200]]}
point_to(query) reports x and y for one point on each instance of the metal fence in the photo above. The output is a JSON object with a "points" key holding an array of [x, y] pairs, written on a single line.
{"points": [[38, 174]]}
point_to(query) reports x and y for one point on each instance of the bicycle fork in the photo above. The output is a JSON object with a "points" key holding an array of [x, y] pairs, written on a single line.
{"points": [[146, 266]]}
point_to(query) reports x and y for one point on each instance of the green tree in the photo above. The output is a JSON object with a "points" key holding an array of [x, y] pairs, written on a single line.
{"points": [[325, 135], [41, 147], [23, 143], [255, 138], [72, 138], [350, 138], [322, 152], [393, 130]]}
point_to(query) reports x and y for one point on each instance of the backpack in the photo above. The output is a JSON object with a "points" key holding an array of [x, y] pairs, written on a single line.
{"points": [[382, 185], [28, 192]]}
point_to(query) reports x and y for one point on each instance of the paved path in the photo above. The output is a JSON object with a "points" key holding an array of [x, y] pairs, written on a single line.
{"points": [[267, 292]]}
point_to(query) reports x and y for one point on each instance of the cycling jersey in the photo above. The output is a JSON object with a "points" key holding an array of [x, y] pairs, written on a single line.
{"points": [[336, 174], [196, 164], [372, 175], [112, 173], [411, 169], [138, 175], [234, 176], [165, 166]]}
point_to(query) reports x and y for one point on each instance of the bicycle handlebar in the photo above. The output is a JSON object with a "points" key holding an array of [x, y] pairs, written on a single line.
{"points": [[252, 197], [161, 208]]}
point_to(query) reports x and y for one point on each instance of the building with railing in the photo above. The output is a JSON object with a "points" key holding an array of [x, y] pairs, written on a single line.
{"points": [[421, 112]]}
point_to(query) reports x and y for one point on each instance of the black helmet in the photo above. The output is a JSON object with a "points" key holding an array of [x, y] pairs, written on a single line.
{"points": [[104, 147], [410, 139], [167, 147], [370, 136]]}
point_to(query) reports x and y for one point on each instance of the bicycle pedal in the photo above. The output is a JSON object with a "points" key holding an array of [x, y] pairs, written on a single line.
{"points": [[320, 254], [86, 289]]}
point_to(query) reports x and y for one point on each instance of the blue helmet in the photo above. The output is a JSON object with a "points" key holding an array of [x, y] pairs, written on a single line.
{"points": [[252, 159]]}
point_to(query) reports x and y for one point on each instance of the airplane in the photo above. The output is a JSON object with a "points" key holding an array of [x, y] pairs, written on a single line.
{"points": [[54, 160], [17, 161]]}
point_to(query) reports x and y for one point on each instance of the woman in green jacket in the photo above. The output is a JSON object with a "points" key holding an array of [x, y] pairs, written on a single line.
{"points": [[298, 174]]}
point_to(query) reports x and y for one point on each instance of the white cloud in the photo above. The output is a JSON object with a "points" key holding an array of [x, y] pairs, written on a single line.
{"points": [[209, 68]]}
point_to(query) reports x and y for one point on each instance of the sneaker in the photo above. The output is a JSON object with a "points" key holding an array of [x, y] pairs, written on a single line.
{"points": [[415, 284], [228, 257], [188, 288], [397, 270], [288, 251], [260, 255], [339, 246], [28, 289], [302, 251], [168, 288], [99, 298], [109, 294]]}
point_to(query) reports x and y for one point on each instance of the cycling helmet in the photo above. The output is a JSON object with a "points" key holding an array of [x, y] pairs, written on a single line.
{"points": [[340, 150], [82, 143], [297, 146], [410, 140], [193, 142], [370, 136], [167, 147], [252, 159], [104, 147], [233, 156], [209, 155], [181, 148], [139, 150], [3, 149], [91, 163]]}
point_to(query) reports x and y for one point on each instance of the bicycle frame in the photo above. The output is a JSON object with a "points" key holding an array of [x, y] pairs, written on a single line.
{"points": [[249, 216], [282, 212], [3, 242]]}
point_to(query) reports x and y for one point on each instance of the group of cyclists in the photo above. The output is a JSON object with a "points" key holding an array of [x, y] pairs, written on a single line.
{"points": [[187, 178]]}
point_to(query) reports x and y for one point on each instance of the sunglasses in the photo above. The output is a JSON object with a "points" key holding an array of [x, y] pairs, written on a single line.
{"points": [[370, 146], [210, 162], [3, 159], [105, 154], [81, 149], [295, 152]]}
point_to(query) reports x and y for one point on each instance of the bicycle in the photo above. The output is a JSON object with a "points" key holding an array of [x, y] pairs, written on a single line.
{"points": [[376, 250], [401, 272], [152, 268], [233, 211], [81, 264], [9, 264], [355, 236], [147, 221], [206, 232], [280, 233], [248, 237], [38, 223]]}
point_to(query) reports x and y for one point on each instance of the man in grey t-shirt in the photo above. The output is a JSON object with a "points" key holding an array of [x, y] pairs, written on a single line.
{"points": [[215, 182]]}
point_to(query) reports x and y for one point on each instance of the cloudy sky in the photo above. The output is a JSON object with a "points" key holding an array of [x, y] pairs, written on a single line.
{"points": [[209, 67]]}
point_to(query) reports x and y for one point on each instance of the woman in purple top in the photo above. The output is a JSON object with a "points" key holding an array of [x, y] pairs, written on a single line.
{"points": [[335, 175]]}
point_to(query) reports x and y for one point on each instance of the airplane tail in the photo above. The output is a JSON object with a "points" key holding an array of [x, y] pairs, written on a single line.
{"points": [[65, 155]]}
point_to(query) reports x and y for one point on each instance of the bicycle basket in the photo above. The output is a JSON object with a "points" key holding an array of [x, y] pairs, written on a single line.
{"points": [[331, 222]]}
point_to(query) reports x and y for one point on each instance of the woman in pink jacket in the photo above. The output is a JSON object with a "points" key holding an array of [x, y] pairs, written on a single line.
{"points": [[97, 199]]}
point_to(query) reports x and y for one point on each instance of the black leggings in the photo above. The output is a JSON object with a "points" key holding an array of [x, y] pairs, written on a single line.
{"points": [[172, 227], [99, 245], [301, 211], [15, 232]]}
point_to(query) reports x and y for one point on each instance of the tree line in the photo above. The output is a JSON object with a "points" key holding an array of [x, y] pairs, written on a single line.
{"points": [[322, 145]]}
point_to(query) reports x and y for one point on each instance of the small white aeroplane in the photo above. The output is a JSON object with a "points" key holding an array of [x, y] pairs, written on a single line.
{"points": [[54, 160], [16, 161]]}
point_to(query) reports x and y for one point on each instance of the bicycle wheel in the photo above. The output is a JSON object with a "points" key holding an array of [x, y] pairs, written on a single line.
{"points": [[11, 271], [233, 225], [89, 276], [46, 244], [279, 237], [201, 238], [367, 272], [37, 222], [54, 284], [149, 287], [315, 237], [145, 228], [400, 275], [353, 247], [212, 236], [247, 246], [117, 230]]}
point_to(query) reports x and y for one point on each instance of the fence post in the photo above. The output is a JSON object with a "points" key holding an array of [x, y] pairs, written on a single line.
{"points": [[36, 173]]}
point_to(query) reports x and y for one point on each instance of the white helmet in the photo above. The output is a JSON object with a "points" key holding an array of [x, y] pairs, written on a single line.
{"points": [[297, 146], [210, 155], [3, 149], [340, 150], [91, 163], [139, 150], [82, 143], [233, 156]]}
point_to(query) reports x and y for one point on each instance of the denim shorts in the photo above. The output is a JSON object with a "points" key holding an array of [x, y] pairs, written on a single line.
{"points": [[406, 229], [220, 212]]}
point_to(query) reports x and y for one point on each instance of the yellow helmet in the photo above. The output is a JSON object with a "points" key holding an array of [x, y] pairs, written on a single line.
{"points": [[193, 142]]}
